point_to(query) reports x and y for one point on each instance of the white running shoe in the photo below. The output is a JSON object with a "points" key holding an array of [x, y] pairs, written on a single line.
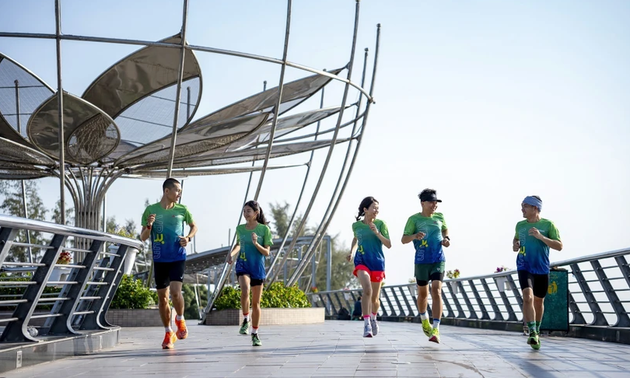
{"points": [[367, 330], [374, 325]]}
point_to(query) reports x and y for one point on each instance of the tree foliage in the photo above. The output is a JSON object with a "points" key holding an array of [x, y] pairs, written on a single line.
{"points": [[341, 276], [12, 204]]}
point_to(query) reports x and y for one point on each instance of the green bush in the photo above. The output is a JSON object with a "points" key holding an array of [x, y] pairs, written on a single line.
{"points": [[16, 292], [275, 295], [132, 294], [191, 309]]}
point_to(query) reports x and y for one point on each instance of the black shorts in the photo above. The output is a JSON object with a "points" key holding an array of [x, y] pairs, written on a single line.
{"points": [[252, 281], [165, 272], [538, 282]]}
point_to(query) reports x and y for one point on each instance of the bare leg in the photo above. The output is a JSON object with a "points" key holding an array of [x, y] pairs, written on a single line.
{"points": [[256, 295], [177, 297], [529, 313], [376, 293], [539, 307], [244, 282], [436, 299], [165, 308], [423, 298], [364, 280]]}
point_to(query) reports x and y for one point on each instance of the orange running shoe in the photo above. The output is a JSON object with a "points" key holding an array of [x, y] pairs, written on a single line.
{"points": [[169, 340], [182, 331]]}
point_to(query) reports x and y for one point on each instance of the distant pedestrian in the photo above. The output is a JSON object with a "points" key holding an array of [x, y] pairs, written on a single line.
{"points": [[253, 244], [532, 240], [370, 234]]}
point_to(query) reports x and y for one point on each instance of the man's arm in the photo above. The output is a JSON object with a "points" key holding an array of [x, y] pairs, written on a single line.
{"points": [[146, 230], [446, 241], [408, 238], [551, 243], [192, 231]]}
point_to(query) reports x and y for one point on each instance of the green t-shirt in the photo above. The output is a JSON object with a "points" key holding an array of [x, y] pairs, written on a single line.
{"points": [[534, 254], [369, 246], [250, 260], [166, 230], [428, 249]]}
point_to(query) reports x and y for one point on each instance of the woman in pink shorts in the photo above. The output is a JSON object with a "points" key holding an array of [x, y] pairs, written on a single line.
{"points": [[370, 234]]}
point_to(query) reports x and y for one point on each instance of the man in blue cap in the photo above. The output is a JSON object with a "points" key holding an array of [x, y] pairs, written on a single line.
{"points": [[534, 236]]}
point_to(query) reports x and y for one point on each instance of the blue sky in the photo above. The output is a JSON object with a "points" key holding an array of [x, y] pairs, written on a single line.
{"points": [[485, 101]]}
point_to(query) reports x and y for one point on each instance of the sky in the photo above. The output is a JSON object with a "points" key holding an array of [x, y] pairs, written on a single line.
{"points": [[484, 101]]}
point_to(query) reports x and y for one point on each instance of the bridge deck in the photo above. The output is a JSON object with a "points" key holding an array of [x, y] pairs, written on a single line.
{"points": [[336, 349]]}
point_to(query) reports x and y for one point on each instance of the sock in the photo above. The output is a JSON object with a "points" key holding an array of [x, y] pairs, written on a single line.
{"points": [[168, 329], [246, 317], [436, 323], [538, 327], [254, 330], [423, 316], [373, 316], [531, 326], [366, 319], [179, 317]]}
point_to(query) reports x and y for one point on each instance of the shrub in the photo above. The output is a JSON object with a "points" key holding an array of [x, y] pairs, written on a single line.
{"points": [[275, 295], [132, 294]]}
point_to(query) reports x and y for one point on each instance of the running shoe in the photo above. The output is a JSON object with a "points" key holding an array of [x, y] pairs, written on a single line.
{"points": [[367, 330], [533, 339], [255, 340], [435, 335], [244, 328], [537, 345], [169, 340], [374, 325], [426, 328], [182, 331]]}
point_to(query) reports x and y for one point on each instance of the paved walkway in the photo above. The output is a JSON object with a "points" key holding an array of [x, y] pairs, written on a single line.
{"points": [[336, 349]]}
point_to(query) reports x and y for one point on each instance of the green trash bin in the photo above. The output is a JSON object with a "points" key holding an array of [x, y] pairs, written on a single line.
{"points": [[556, 317]]}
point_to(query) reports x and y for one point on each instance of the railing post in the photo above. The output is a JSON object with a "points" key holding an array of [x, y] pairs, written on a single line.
{"points": [[17, 331], [473, 314], [482, 306], [96, 320], [622, 315], [598, 316], [63, 325], [6, 239], [508, 306], [409, 307], [495, 307]]}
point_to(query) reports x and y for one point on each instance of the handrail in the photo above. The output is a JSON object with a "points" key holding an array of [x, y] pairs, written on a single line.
{"points": [[86, 291], [497, 297]]}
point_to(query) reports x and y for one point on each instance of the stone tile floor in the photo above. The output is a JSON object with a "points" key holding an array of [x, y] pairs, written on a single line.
{"points": [[336, 349]]}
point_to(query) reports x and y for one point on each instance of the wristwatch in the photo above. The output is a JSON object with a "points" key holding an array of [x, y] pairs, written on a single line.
{"points": [[447, 238]]}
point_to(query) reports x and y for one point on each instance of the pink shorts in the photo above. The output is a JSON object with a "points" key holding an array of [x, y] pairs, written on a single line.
{"points": [[375, 276]]}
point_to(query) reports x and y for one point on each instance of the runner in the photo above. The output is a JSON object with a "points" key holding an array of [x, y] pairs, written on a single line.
{"points": [[164, 223], [534, 236], [370, 234], [429, 234], [250, 265]]}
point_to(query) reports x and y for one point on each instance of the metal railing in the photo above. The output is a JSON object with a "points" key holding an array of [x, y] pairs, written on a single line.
{"points": [[599, 295], [30, 311]]}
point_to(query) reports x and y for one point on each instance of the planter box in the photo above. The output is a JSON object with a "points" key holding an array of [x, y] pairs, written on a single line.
{"points": [[135, 317], [270, 316]]}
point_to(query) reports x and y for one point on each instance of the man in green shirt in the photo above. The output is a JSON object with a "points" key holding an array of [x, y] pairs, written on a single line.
{"points": [[163, 222], [429, 234]]}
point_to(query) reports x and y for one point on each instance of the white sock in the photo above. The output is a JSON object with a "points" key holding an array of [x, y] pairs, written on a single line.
{"points": [[373, 316], [246, 317], [254, 331], [179, 317], [168, 329], [366, 320], [423, 316], [436, 323]]}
